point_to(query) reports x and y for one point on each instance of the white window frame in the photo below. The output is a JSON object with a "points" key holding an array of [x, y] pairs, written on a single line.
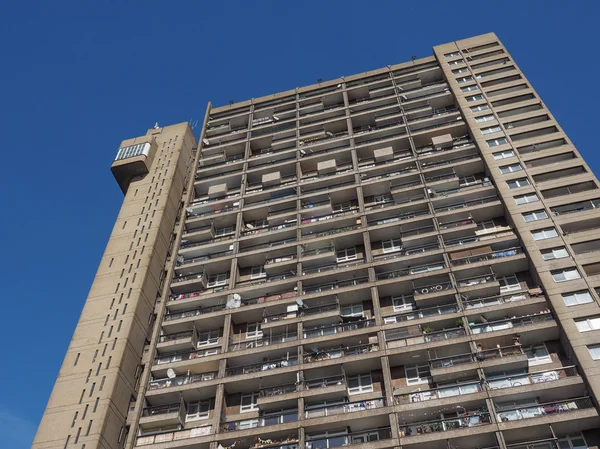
{"points": [[365, 384], [392, 245], [516, 183], [538, 360], [497, 142], [253, 331], [258, 272], [588, 324], [382, 199], [252, 406], [346, 254], [207, 338], [568, 439], [513, 168], [458, 61], [594, 351], [471, 88], [452, 54], [534, 215], [421, 369], [403, 303], [559, 252], [216, 280], [352, 310], [508, 284], [484, 118], [459, 71], [464, 79], [526, 199], [202, 410], [479, 108], [503, 154], [491, 130], [569, 274], [222, 232], [544, 234], [577, 298], [474, 98]]}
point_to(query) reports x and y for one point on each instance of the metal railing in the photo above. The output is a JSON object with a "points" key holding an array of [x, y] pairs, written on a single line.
{"points": [[324, 382], [536, 377], [472, 419], [263, 421], [480, 356], [348, 439], [432, 288], [174, 357], [241, 345], [178, 381], [544, 409], [340, 409], [415, 338], [411, 271], [493, 300], [267, 365], [320, 331], [459, 389], [162, 409], [334, 285], [464, 204], [488, 256], [317, 251], [511, 323], [332, 353], [333, 266], [427, 312]]}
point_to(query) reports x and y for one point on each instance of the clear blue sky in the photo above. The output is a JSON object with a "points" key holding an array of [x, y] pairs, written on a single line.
{"points": [[77, 77]]}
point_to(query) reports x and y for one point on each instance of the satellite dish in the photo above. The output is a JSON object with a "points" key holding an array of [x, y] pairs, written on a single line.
{"points": [[171, 374], [236, 296]]}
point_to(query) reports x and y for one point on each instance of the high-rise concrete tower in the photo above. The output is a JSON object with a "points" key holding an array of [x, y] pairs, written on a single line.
{"points": [[403, 258]]}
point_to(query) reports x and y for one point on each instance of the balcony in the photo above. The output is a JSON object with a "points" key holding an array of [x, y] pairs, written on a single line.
{"points": [[163, 415], [350, 439], [468, 420], [542, 317], [459, 389], [488, 256], [178, 381], [408, 252], [330, 267], [463, 204], [573, 208], [536, 377], [334, 285], [319, 355], [401, 337], [182, 356], [411, 271], [341, 409], [176, 435], [324, 330], [427, 312], [267, 365], [545, 409], [263, 421], [490, 301], [274, 339]]}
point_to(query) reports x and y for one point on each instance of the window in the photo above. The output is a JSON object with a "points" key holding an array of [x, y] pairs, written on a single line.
{"points": [[198, 410], [491, 130], [594, 351], [248, 402], [360, 384], [344, 255], [458, 61], [510, 168], [484, 118], [537, 355], [469, 88], [475, 98], [403, 303], [390, 246], [481, 107], [217, 279], [417, 374], [542, 234], [496, 142], [208, 338], [464, 79], [576, 298], [527, 198], [258, 272], [453, 54], [575, 441], [461, 70], [382, 199], [555, 253], [516, 183], [588, 324], [568, 274], [253, 330], [224, 231], [352, 310], [509, 283]]}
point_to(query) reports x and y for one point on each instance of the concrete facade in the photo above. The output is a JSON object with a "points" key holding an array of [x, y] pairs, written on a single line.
{"points": [[400, 258]]}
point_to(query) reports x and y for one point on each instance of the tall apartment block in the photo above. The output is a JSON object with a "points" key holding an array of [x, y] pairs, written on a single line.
{"points": [[404, 258]]}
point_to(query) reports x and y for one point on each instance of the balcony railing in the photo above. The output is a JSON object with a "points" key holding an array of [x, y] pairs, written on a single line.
{"points": [[511, 323], [185, 355], [162, 409], [267, 365], [398, 217], [471, 419], [414, 338], [321, 331], [348, 439], [550, 443], [267, 278], [535, 377], [487, 354], [263, 421], [488, 256], [476, 280], [178, 381], [333, 266], [410, 271], [440, 393], [476, 303], [324, 382], [432, 288], [240, 345], [334, 353], [464, 204], [317, 251], [340, 409], [545, 409], [408, 251], [427, 312], [334, 285], [453, 160]]}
